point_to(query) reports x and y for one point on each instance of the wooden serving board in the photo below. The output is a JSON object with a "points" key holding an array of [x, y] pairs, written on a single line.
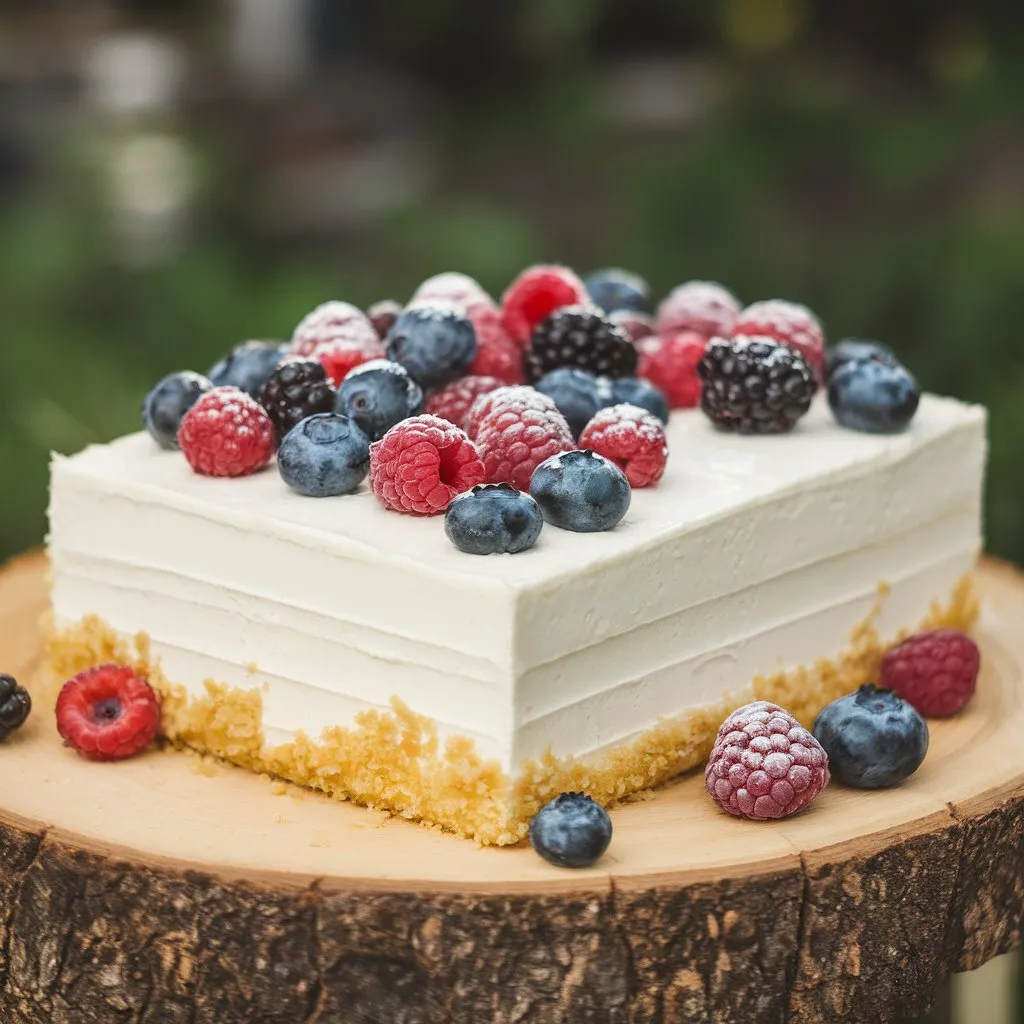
{"points": [[170, 890]]}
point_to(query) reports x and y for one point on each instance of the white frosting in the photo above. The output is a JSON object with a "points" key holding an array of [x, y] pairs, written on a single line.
{"points": [[750, 554]]}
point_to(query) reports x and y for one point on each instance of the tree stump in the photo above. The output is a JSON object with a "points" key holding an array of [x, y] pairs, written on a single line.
{"points": [[172, 890]]}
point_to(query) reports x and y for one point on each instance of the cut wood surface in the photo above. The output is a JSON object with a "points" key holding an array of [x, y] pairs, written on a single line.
{"points": [[168, 889]]}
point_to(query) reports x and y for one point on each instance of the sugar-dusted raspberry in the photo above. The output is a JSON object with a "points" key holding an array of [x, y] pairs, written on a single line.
{"points": [[632, 438], [497, 355], [341, 355], [764, 764], [453, 401], [936, 671], [535, 294], [788, 323], [670, 364], [227, 433], [702, 306], [383, 315], [519, 398], [108, 713], [513, 442], [635, 325], [452, 286], [332, 321], [422, 463]]}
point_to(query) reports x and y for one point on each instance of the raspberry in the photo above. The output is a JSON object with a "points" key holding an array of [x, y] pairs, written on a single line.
{"points": [[936, 672], [764, 764], [579, 337], [520, 398], [383, 315], [631, 438], [227, 433], [497, 355], [339, 356], [514, 442], [535, 294], [452, 286], [634, 325], [422, 463], [702, 306], [670, 364], [788, 323], [453, 401], [108, 713], [331, 321], [296, 389]]}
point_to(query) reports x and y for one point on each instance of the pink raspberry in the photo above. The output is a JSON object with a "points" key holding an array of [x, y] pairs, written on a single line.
{"points": [[936, 671], [497, 355], [453, 401], [421, 464], [452, 286], [518, 398], [670, 364], [635, 325], [535, 294], [383, 315], [333, 321], [786, 322], [513, 444], [227, 433], [764, 764], [702, 306], [343, 354], [632, 438]]}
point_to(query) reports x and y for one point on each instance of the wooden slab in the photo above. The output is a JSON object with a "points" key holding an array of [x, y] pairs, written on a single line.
{"points": [[166, 889]]}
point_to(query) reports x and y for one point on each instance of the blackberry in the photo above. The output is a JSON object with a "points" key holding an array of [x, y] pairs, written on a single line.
{"points": [[754, 385], [15, 705], [575, 336], [296, 389]]}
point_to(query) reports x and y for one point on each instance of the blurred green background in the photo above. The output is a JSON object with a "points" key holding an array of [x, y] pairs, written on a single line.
{"points": [[176, 177]]}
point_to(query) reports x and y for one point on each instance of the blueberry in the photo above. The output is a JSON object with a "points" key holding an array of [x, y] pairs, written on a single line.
{"points": [[493, 518], [613, 289], [579, 394], [324, 455], [436, 343], [873, 396], [247, 366], [855, 348], [572, 831], [377, 395], [637, 391], [873, 738], [168, 402], [581, 491]]}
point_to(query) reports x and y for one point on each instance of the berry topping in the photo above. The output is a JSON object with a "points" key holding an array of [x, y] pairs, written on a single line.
{"points": [[635, 325], [572, 831], [670, 364], [788, 323], [108, 713], [513, 442], [227, 433], [614, 289], [296, 389], [451, 286], [332, 321], [15, 704], [764, 764], [631, 438], [853, 348], [519, 399], [874, 396], [435, 343], [754, 385], [637, 391], [701, 306], [421, 464], [582, 338], [493, 518], [535, 294], [377, 395], [165, 406], [935, 671], [873, 739], [325, 455], [341, 356], [247, 366], [581, 491], [453, 401], [383, 315], [497, 355], [577, 393]]}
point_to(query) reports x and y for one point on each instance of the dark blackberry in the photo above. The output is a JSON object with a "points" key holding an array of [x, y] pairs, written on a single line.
{"points": [[383, 315], [754, 385], [296, 389], [15, 705], [574, 336]]}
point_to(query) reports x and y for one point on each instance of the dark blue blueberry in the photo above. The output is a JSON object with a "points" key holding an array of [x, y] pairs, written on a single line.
{"points": [[581, 491], [377, 395], [614, 289], [492, 519], [434, 343], [873, 738], [873, 396], [579, 394], [324, 455], [572, 831], [855, 348], [637, 391], [247, 366], [168, 402]]}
